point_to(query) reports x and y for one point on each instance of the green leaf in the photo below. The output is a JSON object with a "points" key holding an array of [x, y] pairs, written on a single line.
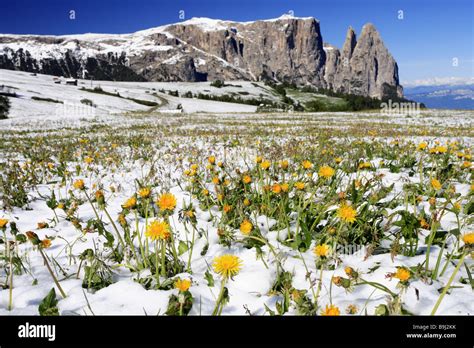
{"points": [[48, 307], [209, 278], [21, 238], [182, 248], [272, 313]]}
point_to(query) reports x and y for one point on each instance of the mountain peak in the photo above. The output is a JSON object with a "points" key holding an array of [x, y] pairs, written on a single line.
{"points": [[369, 28], [284, 49]]}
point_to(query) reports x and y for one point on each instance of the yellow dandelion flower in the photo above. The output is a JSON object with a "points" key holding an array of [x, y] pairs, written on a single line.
{"points": [[466, 164], [276, 188], [457, 206], [130, 203], [205, 192], [348, 270], [122, 220], [338, 160], [265, 165], [306, 164], [439, 149], [300, 185], [99, 194], [468, 238], [246, 179], [227, 208], [215, 180], [326, 172], [246, 202], [284, 164], [88, 159], [258, 159], [365, 165], [372, 133], [402, 273], [158, 230], [436, 184], [422, 146], [330, 310], [322, 250], [346, 213], [167, 201], [285, 187], [227, 265], [45, 243], [3, 223], [182, 285], [246, 227], [144, 192], [424, 224], [212, 160], [79, 184]]}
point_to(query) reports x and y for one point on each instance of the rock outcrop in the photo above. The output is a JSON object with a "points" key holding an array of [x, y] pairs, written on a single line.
{"points": [[286, 49]]}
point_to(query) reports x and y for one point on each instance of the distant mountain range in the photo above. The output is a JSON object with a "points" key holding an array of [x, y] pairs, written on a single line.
{"points": [[285, 49], [445, 96]]}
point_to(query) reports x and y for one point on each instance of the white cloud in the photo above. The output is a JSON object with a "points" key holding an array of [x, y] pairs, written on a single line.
{"points": [[439, 81]]}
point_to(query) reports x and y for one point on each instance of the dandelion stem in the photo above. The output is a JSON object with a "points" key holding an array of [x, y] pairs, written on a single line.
{"points": [[163, 257], [318, 290], [10, 292], [191, 251], [219, 298], [142, 251], [173, 247], [157, 264], [115, 228], [63, 294], [445, 290]]}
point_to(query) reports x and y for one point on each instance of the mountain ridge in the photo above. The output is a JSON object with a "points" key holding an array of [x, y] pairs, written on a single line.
{"points": [[285, 49]]}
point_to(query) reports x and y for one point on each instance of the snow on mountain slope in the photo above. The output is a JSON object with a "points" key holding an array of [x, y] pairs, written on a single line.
{"points": [[36, 96], [284, 49]]}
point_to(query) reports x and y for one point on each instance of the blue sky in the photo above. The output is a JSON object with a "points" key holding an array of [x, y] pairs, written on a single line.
{"points": [[425, 43]]}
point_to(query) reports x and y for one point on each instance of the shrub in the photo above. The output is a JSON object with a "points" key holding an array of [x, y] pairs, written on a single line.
{"points": [[217, 83], [4, 107], [49, 100], [88, 102]]}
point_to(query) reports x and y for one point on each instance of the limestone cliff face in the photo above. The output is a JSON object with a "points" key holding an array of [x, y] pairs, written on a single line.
{"points": [[364, 66], [284, 49]]}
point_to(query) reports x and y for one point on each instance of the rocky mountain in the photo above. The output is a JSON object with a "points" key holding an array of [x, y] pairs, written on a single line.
{"points": [[286, 49]]}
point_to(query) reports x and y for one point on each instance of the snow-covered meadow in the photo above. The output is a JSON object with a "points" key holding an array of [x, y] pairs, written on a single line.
{"points": [[130, 207]]}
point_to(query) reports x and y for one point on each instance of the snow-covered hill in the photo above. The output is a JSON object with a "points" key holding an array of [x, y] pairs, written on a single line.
{"points": [[39, 97]]}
